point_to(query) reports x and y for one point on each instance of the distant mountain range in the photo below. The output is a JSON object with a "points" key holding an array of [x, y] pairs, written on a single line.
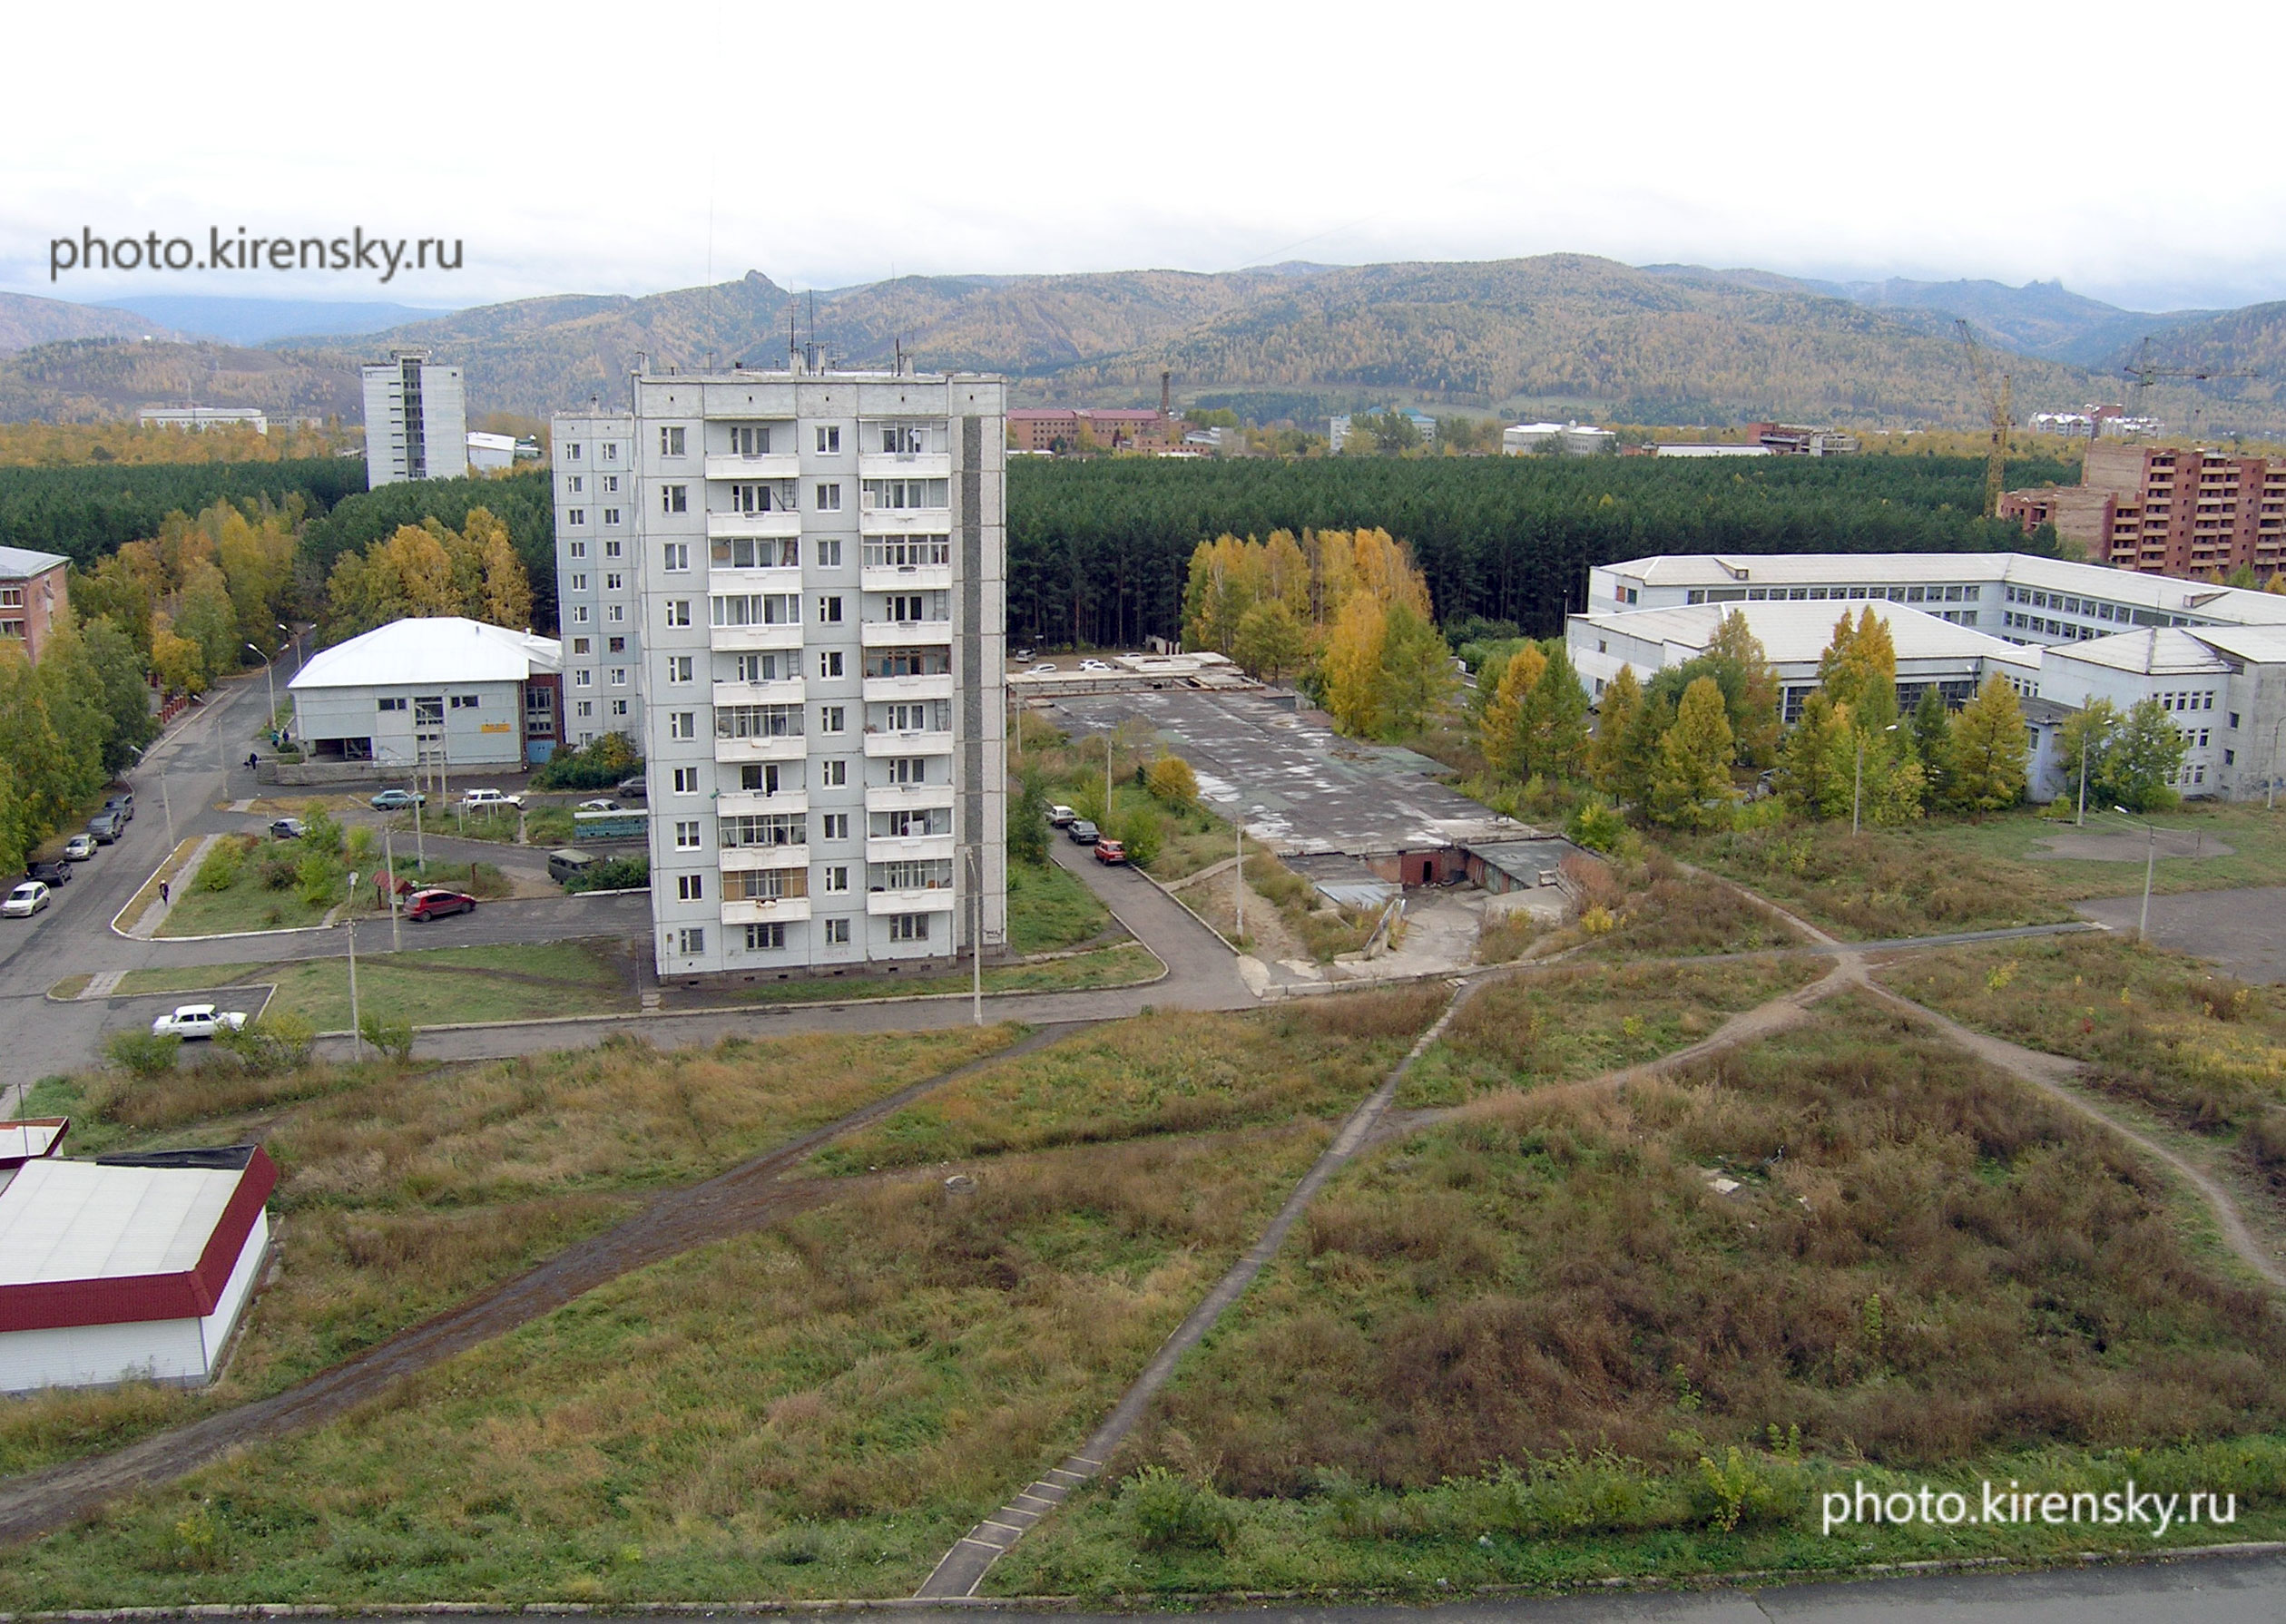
{"points": [[1558, 335], [263, 321]]}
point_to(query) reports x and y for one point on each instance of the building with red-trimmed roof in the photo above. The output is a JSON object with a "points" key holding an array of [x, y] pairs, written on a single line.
{"points": [[132, 1266]]}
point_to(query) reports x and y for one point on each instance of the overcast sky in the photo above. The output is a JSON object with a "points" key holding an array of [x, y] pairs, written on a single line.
{"points": [[585, 147]]}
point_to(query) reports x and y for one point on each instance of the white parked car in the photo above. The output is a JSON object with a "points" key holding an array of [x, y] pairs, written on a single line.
{"points": [[601, 805], [197, 1021], [25, 900], [1061, 816], [1094, 665], [478, 800], [1047, 668]]}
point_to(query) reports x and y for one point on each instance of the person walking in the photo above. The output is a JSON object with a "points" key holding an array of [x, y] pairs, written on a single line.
{"points": [[163, 894]]}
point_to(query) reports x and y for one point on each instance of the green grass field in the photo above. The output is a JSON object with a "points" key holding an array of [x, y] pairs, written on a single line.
{"points": [[431, 987], [1050, 910]]}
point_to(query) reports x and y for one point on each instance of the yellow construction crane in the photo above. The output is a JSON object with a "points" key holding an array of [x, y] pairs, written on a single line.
{"points": [[1998, 400]]}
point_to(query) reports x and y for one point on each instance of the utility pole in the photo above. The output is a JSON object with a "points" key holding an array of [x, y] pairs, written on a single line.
{"points": [[976, 938], [357, 1026], [388, 855], [269, 680], [1238, 886], [2080, 821]]}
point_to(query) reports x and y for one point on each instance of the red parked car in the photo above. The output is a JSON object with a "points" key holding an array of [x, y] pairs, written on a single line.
{"points": [[1111, 851], [435, 904]]}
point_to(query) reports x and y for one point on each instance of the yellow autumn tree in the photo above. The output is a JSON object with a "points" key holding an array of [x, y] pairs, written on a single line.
{"points": [[506, 591], [1500, 732], [1352, 665]]}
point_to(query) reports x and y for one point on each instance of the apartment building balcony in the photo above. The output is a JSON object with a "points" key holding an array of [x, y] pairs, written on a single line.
{"points": [[905, 578], [904, 464], [938, 743], [882, 690], [775, 521], [731, 752], [746, 860], [753, 803], [906, 798], [908, 848], [933, 899], [730, 466], [788, 691], [782, 909], [724, 578], [901, 634], [745, 640], [904, 521]]}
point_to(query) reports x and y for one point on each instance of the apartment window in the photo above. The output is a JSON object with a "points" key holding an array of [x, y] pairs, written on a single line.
{"points": [[616, 615], [766, 829], [925, 874], [2229, 757], [396, 704], [909, 770], [830, 438], [917, 606], [837, 878], [831, 719], [689, 888], [611, 548], [749, 439], [679, 667], [763, 778], [678, 612], [755, 609], [756, 553], [466, 702], [908, 494], [614, 645], [579, 583], [693, 939], [2234, 720], [764, 884], [586, 708], [829, 663], [907, 662], [572, 452], [686, 780], [837, 933], [758, 721], [762, 498], [619, 708], [829, 551], [675, 557], [579, 644], [910, 552], [614, 582], [683, 724], [830, 610], [611, 451], [829, 498], [670, 442], [834, 826], [765, 938], [763, 668], [909, 927], [932, 717], [610, 484], [686, 835], [912, 824], [674, 499], [579, 614], [833, 773], [578, 549], [576, 515], [573, 484], [611, 516], [582, 678], [619, 676], [903, 439]]}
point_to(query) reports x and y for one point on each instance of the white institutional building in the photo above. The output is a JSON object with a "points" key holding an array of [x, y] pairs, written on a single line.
{"points": [[788, 588], [416, 420], [2213, 657]]}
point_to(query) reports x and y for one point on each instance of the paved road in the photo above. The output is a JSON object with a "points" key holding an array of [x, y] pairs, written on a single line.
{"points": [[2237, 930]]}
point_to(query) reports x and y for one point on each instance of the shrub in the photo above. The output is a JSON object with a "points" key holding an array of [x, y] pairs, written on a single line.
{"points": [[393, 1039], [1028, 823], [1164, 1510], [278, 871], [221, 868], [316, 877], [1597, 825], [144, 1053], [613, 874], [1144, 832], [275, 1044], [1172, 780], [596, 766]]}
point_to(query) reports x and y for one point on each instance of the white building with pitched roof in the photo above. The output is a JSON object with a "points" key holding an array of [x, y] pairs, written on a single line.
{"points": [[440, 691]]}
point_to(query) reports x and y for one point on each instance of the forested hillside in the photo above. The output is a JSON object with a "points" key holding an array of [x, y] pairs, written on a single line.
{"points": [[521, 502], [95, 380], [86, 513], [1098, 551]]}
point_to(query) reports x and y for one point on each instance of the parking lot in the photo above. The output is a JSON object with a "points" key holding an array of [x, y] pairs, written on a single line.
{"points": [[2237, 931]]}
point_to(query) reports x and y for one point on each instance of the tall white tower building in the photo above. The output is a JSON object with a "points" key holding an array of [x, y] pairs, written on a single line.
{"points": [[598, 611], [416, 420], [816, 630]]}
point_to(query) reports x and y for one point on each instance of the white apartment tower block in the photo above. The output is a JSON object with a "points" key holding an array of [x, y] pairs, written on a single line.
{"points": [[416, 420], [815, 631], [598, 611]]}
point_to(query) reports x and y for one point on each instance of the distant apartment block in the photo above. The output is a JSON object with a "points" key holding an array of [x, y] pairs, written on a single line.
{"points": [[1572, 439], [416, 420], [34, 598], [598, 610], [808, 571], [1052, 429], [201, 418], [1338, 428], [1796, 439], [2167, 510]]}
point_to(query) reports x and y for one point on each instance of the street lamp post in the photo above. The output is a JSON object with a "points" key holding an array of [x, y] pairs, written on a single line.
{"points": [[2080, 821], [2150, 862], [1857, 791], [357, 1027], [270, 681]]}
